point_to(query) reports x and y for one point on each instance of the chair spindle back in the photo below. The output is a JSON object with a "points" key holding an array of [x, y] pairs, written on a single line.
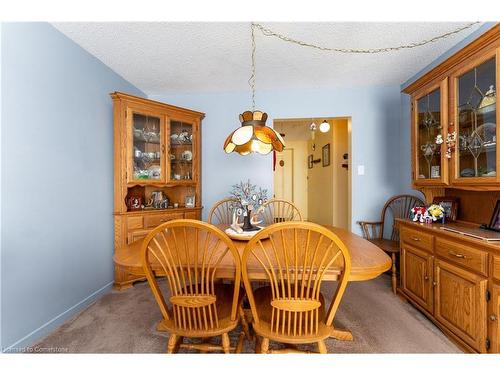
{"points": [[222, 212], [188, 253], [400, 207], [295, 257], [278, 211]]}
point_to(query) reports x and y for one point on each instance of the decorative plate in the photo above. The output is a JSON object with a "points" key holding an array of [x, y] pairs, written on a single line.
{"points": [[244, 236], [187, 155], [154, 172]]}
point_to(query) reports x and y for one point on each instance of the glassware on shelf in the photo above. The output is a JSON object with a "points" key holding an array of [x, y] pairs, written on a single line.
{"points": [[428, 134], [477, 121], [146, 140], [181, 151]]}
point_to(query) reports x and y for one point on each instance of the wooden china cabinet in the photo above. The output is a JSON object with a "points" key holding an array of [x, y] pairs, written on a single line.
{"points": [[454, 278], [458, 96], [157, 166]]}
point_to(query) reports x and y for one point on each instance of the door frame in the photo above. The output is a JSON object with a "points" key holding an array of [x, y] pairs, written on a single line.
{"points": [[349, 152]]}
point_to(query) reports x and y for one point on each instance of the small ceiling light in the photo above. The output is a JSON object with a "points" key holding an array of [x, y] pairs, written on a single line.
{"points": [[324, 127], [313, 128], [254, 136]]}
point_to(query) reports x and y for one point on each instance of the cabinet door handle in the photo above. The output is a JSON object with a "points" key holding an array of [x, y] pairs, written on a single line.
{"points": [[461, 256], [493, 317], [426, 278], [415, 238], [434, 283]]}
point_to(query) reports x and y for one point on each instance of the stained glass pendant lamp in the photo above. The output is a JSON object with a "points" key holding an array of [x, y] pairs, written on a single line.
{"points": [[253, 135]]}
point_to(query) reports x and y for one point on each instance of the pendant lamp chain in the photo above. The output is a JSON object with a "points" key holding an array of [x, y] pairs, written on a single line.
{"points": [[251, 81], [270, 33]]}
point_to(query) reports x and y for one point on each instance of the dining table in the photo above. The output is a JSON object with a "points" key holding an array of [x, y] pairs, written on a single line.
{"points": [[367, 262]]}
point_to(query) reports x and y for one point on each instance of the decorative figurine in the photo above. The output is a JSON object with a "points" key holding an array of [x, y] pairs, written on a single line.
{"points": [[451, 139], [419, 213], [248, 199], [236, 225], [134, 202]]}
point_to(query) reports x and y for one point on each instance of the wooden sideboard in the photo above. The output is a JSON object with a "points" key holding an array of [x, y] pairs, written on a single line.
{"points": [[454, 280], [157, 153]]}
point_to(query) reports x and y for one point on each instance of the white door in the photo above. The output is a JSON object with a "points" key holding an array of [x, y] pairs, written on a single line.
{"points": [[283, 175]]}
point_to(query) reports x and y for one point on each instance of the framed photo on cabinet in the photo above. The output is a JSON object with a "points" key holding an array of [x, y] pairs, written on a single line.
{"points": [[189, 201], [450, 205]]}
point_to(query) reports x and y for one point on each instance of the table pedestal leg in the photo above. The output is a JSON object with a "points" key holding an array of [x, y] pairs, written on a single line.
{"points": [[341, 334]]}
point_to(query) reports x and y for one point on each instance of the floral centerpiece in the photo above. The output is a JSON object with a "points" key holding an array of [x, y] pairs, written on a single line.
{"points": [[247, 199], [435, 211]]}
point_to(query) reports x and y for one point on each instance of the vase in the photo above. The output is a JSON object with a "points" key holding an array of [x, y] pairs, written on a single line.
{"points": [[247, 226]]}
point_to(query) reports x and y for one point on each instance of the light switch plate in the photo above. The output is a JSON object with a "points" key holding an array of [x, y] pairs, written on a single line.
{"points": [[361, 170]]}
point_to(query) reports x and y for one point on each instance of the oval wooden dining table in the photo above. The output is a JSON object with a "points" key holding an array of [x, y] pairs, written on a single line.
{"points": [[367, 262]]}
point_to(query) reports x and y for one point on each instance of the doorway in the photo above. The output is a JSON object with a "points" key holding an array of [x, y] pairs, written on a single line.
{"points": [[314, 169]]}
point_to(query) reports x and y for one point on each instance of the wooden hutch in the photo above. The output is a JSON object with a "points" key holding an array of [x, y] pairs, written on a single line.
{"points": [[157, 169], [454, 278]]}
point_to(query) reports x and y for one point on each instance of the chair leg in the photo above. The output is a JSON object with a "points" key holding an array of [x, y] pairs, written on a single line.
{"points": [[180, 340], [172, 343], [239, 344], [322, 347], [226, 344], [394, 279], [264, 345], [258, 341]]}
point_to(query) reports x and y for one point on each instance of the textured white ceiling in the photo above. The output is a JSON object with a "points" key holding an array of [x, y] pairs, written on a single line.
{"points": [[170, 57]]}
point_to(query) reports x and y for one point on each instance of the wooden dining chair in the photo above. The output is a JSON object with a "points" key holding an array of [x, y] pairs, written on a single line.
{"points": [[399, 207], [295, 257], [222, 212], [189, 253], [280, 210]]}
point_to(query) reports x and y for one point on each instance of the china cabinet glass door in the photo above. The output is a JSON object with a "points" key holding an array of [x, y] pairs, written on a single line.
{"points": [[182, 138], [430, 120], [147, 162], [476, 118]]}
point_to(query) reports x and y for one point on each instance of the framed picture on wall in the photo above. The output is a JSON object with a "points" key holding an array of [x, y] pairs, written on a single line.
{"points": [[326, 155], [310, 161], [450, 205]]}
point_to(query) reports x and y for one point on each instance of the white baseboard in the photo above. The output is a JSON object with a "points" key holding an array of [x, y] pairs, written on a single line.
{"points": [[22, 344]]}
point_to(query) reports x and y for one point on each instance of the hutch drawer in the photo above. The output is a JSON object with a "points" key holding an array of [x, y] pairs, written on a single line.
{"points": [[462, 254], [417, 238], [153, 221], [195, 215], [134, 222]]}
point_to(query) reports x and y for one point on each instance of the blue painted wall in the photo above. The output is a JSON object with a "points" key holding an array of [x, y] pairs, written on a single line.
{"points": [[375, 136], [1, 346], [405, 133], [57, 179]]}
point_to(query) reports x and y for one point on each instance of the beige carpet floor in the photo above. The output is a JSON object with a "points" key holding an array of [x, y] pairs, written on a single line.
{"points": [[124, 322]]}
